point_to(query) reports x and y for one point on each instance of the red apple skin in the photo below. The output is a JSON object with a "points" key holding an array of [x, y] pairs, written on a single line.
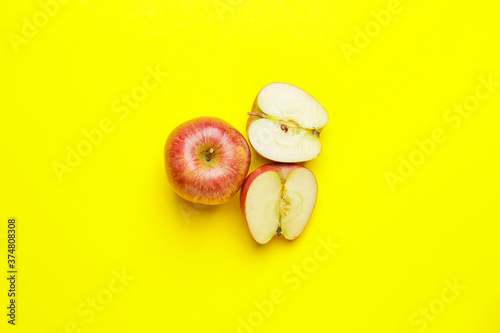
{"points": [[283, 171], [195, 179]]}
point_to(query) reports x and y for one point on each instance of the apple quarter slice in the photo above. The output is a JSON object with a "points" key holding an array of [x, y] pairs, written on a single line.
{"points": [[278, 199]]}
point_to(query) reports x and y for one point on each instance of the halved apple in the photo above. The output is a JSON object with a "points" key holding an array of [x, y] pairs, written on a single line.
{"points": [[278, 199], [285, 124]]}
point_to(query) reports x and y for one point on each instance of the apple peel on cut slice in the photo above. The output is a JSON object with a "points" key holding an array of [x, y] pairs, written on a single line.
{"points": [[285, 124], [278, 199]]}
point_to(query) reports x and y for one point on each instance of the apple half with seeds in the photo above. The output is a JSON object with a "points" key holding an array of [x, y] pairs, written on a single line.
{"points": [[278, 199], [285, 124]]}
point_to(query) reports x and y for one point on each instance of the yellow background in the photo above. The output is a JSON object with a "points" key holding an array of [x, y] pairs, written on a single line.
{"points": [[197, 269]]}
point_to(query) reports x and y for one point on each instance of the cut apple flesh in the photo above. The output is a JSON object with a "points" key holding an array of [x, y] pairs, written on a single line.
{"points": [[295, 145], [285, 124], [276, 206]]}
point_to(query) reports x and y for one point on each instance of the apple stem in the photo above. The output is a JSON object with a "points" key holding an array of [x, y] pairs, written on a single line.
{"points": [[209, 152], [255, 114]]}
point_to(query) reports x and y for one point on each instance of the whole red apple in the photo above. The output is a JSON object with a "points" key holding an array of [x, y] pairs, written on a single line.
{"points": [[206, 160], [278, 199]]}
